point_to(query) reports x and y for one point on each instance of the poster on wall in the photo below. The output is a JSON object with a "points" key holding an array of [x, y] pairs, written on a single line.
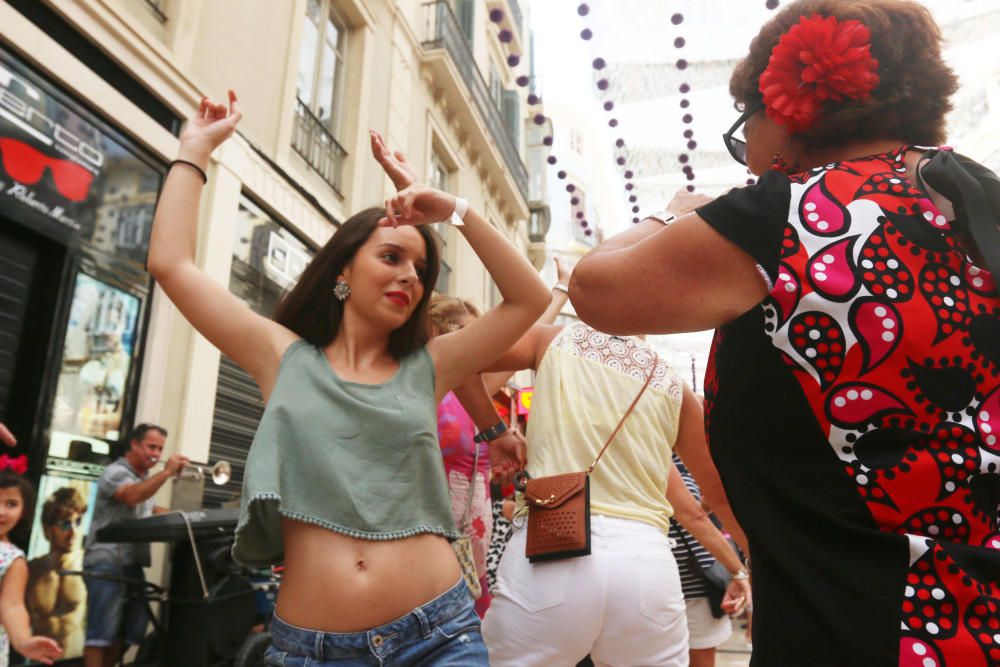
{"points": [[97, 357], [68, 175], [56, 598]]}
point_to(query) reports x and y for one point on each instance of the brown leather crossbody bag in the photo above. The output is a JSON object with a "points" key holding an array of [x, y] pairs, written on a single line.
{"points": [[559, 505]]}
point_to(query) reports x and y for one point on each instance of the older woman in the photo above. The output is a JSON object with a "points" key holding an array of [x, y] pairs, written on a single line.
{"points": [[854, 387]]}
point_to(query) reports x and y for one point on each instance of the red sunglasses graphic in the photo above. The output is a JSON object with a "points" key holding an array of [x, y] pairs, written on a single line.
{"points": [[26, 165]]}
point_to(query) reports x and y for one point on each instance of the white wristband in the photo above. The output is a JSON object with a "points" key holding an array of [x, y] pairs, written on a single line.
{"points": [[461, 206]]}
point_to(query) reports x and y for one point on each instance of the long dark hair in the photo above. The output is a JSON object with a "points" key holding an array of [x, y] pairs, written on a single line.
{"points": [[311, 310], [19, 533]]}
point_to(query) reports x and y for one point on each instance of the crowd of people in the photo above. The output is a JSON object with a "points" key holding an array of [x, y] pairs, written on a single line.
{"points": [[847, 444]]}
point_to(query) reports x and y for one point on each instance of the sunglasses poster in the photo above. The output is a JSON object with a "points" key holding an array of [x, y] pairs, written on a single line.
{"points": [[65, 172], [56, 599]]}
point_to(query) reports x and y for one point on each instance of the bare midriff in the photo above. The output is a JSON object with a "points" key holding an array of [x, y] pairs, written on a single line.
{"points": [[336, 583]]}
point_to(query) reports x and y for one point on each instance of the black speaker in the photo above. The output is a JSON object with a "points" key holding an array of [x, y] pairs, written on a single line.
{"points": [[199, 631]]}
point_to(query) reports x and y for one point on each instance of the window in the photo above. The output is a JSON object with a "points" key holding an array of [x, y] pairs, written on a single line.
{"points": [[319, 91], [438, 176], [512, 115], [321, 62], [496, 87], [465, 12]]}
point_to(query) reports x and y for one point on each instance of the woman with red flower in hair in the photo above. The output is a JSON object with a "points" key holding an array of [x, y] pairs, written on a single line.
{"points": [[853, 394]]}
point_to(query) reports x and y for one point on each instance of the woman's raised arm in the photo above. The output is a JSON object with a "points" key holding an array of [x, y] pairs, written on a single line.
{"points": [[254, 342]]}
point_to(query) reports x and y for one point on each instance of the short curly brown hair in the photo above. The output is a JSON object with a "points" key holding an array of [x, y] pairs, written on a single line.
{"points": [[915, 85]]}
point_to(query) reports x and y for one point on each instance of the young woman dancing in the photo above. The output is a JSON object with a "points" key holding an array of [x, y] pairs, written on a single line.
{"points": [[344, 479]]}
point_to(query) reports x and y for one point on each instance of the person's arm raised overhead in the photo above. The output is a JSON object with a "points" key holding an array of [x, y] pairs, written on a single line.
{"points": [[254, 342], [460, 354], [652, 278]]}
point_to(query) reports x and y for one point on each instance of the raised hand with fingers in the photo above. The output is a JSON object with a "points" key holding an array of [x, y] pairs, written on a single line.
{"points": [[417, 205], [393, 163], [211, 125]]}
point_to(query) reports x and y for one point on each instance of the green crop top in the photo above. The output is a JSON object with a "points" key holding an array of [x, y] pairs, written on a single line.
{"points": [[358, 459]]}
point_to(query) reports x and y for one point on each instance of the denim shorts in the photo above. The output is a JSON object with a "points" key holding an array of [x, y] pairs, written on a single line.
{"points": [[443, 633], [113, 606]]}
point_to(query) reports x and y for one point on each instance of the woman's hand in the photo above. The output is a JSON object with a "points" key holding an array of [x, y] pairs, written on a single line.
{"points": [[394, 164], [211, 125], [737, 598], [417, 205], [41, 649], [508, 456]]}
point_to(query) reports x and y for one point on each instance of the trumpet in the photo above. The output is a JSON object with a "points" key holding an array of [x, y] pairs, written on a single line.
{"points": [[220, 473]]}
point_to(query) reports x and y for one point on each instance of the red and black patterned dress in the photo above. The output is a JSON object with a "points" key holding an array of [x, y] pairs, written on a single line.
{"points": [[855, 419]]}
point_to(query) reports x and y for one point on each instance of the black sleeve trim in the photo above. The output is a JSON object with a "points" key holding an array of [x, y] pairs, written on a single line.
{"points": [[754, 218]]}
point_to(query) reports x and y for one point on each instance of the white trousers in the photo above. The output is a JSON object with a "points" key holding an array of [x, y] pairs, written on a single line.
{"points": [[622, 604]]}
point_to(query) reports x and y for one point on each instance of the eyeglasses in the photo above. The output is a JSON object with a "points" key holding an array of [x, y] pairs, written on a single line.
{"points": [[66, 524], [26, 164], [737, 147]]}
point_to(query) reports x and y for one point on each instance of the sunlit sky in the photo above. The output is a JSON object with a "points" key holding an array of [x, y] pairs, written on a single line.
{"points": [[636, 35]]}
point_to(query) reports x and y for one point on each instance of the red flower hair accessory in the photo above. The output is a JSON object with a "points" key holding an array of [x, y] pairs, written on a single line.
{"points": [[818, 59], [16, 464]]}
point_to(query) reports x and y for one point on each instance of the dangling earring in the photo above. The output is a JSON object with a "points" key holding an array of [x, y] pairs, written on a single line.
{"points": [[779, 164], [341, 290]]}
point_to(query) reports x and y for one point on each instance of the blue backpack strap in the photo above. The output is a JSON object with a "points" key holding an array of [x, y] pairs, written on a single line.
{"points": [[974, 191]]}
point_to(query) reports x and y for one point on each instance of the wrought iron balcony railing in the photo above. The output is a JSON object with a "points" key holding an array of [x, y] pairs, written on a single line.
{"points": [[317, 146], [446, 32]]}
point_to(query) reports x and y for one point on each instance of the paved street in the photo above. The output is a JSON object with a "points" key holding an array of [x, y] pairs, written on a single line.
{"points": [[734, 653]]}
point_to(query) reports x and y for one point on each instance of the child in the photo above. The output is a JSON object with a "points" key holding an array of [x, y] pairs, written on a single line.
{"points": [[16, 500]]}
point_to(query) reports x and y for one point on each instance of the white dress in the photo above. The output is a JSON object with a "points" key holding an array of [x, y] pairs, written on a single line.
{"points": [[8, 554]]}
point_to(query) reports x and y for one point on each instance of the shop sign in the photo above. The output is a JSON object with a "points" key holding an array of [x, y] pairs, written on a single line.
{"points": [[66, 173], [524, 400]]}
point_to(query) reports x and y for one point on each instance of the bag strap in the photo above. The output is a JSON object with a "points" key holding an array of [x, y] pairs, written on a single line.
{"points": [[472, 489], [649, 378]]}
